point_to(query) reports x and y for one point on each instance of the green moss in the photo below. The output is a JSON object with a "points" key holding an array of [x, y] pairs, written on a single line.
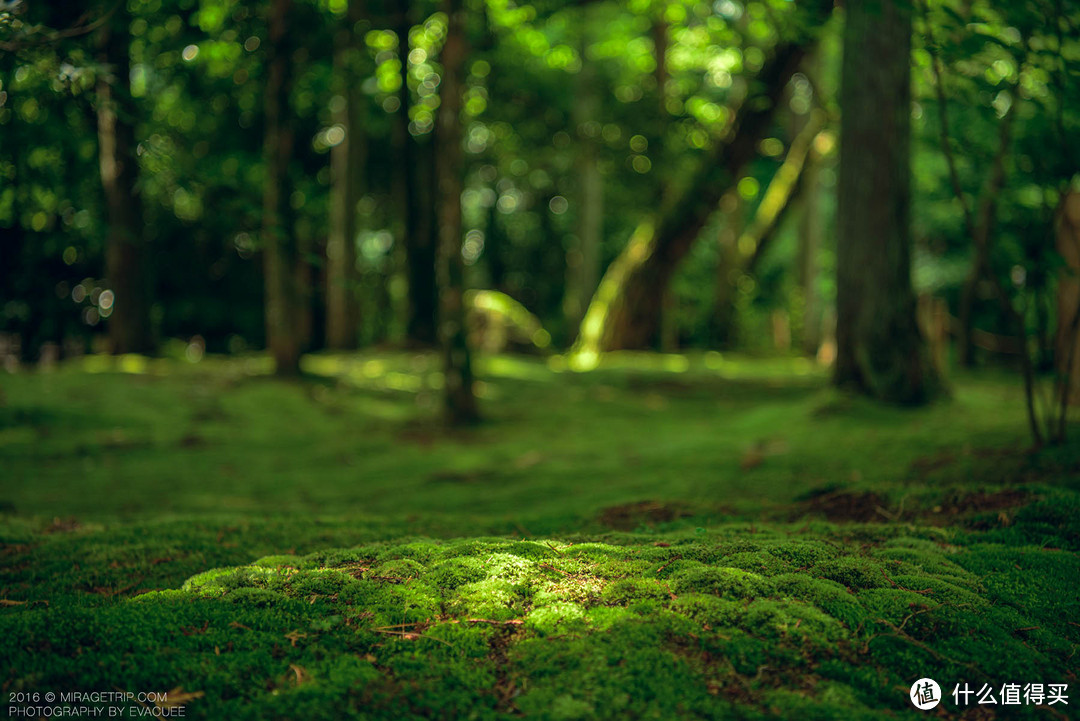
{"points": [[855, 572], [728, 582], [220, 581], [405, 572]]}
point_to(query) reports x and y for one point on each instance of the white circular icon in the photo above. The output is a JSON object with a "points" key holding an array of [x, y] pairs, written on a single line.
{"points": [[925, 694]]}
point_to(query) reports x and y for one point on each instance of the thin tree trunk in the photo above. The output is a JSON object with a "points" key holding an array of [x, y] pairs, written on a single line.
{"points": [[624, 312], [879, 349], [981, 231], [583, 258], [125, 264], [727, 271], [740, 256], [811, 231], [459, 399], [786, 185], [304, 282], [1067, 350], [965, 347], [346, 167], [495, 249], [279, 245], [416, 201]]}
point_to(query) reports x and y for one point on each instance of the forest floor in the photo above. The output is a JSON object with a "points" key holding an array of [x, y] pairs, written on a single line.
{"points": [[666, 537]]}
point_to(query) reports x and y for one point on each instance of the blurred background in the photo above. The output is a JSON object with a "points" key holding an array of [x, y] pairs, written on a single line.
{"points": [[184, 177]]}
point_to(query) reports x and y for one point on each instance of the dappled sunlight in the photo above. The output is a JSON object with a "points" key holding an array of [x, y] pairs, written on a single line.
{"points": [[411, 374], [736, 427], [557, 360], [666, 607], [731, 366], [513, 368]]}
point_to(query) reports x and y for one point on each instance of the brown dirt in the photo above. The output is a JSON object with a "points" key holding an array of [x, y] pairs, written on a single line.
{"points": [[980, 502], [868, 507], [844, 507], [628, 516]]}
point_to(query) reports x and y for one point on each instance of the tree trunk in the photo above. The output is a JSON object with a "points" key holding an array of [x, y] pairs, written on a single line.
{"points": [[784, 187], [879, 349], [782, 192], [741, 255], [495, 242], [811, 232], [723, 331], [416, 202], [304, 282], [125, 250], [624, 312], [1067, 352], [280, 254], [965, 347], [346, 166], [459, 399], [583, 258]]}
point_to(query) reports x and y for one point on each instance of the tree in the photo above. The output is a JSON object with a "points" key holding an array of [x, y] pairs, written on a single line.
{"points": [[624, 312], [414, 178], [583, 259], [280, 257], [459, 398], [346, 165], [879, 349], [742, 255], [125, 252], [1067, 350]]}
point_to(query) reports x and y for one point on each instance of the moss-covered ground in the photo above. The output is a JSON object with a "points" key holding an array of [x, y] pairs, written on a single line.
{"points": [[666, 537]]}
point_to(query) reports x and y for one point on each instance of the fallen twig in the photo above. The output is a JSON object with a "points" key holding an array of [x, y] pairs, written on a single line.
{"points": [[412, 636], [549, 567], [673, 560], [925, 591]]}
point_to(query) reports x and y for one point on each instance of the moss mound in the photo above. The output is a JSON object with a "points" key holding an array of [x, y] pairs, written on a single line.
{"points": [[731, 622]]}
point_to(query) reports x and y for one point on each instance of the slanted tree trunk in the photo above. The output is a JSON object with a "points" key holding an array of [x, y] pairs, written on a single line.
{"points": [[743, 256], [786, 185], [346, 167], [459, 399], [280, 255], [414, 181], [125, 250], [624, 312], [879, 349]]}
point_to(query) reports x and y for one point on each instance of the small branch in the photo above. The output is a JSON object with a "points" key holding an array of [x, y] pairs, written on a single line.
{"points": [[673, 560], [924, 592], [549, 567], [492, 622], [412, 636]]}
